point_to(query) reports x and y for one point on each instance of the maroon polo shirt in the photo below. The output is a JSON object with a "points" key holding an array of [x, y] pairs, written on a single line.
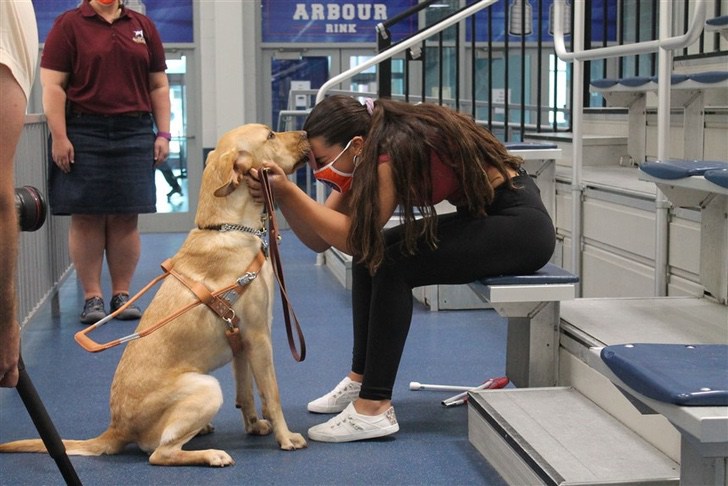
{"points": [[109, 64]]}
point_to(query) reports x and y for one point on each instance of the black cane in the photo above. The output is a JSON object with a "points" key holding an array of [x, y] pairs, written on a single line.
{"points": [[44, 425]]}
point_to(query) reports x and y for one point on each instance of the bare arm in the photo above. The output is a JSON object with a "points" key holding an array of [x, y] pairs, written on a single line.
{"points": [[322, 226], [54, 105], [13, 114], [161, 109], [301, 227]]}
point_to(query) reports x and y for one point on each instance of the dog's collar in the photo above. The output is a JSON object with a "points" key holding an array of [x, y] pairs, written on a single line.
{"points": [[224, 228]]}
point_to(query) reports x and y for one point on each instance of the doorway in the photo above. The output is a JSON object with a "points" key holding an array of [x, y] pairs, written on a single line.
{"points": [[177, 179], [295, 77]]}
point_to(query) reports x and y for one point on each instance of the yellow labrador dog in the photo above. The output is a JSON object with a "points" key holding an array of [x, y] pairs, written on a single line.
{"points": [[162, 395]]}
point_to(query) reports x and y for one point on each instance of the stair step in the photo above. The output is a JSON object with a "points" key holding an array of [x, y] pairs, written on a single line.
{"points": [[558, 436]]}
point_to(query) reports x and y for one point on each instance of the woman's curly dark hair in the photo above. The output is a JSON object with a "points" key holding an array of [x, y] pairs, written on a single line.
{"points": [[409, 134]]}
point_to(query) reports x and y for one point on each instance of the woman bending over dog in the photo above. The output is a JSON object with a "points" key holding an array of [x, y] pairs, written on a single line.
{"points": [[385, 155]]}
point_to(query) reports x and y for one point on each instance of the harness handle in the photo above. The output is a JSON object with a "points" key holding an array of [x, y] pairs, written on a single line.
{"points": [[92, 346]]}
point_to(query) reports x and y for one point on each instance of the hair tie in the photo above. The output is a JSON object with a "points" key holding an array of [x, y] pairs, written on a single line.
{"points": [[369, 103]]}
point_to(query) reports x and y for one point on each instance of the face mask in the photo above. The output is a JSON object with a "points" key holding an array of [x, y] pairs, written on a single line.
{"points": [[330, 175]]}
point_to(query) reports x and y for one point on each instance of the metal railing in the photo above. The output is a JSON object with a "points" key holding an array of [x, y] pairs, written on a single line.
{"points": [[403, 46], [43, 258], [664, 46]]}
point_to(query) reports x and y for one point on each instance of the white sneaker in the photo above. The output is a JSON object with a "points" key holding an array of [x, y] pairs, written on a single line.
{"points": [[349, 426], [337, 399]]}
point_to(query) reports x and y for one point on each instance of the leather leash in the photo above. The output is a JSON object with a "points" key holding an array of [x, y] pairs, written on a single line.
{"points": [[275, 258]]}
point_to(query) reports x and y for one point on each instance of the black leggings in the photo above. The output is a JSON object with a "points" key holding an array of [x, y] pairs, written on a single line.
{"points": [[516, 237]]}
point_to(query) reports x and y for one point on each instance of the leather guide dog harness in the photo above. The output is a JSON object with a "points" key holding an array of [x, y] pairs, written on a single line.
{"points": [[221, 301]]}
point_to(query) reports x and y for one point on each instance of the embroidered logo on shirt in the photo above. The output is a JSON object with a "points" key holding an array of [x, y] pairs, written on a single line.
{"points": [[139, 37]]}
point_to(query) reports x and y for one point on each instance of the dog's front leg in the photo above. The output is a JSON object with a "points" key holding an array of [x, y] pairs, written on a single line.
{"points": [[244, 399], [261, 364]]}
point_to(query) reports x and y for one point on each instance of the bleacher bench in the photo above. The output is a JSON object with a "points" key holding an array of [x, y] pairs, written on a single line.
{"points": [[687, 182], [700, 184], [718, 24], [688, 385], [693, 92], [531, 304]]}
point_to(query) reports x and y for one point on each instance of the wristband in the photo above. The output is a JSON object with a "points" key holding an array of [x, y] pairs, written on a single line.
{"points": [[165, 135]]}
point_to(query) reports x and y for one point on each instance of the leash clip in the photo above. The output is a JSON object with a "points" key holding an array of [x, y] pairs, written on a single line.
{"points": [[247, 278]]}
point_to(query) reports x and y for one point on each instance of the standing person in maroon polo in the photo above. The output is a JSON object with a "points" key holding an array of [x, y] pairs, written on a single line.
{"points": [[104, 91]]}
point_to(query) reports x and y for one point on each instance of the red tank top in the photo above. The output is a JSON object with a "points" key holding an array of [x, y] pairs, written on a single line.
{"points": [[445, 183]]}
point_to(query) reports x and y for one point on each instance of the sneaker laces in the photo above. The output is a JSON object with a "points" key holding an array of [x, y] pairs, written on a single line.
{"points": [[340, 391], [94, 303]]}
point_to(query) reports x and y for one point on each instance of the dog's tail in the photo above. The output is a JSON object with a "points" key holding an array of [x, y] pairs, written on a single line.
{"points": [[107, 443]]}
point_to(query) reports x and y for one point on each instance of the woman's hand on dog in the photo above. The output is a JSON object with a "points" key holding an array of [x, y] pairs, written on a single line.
{"points": [[276, 178]]}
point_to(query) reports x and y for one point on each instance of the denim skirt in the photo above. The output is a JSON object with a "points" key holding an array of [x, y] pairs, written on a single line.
{"points": [[113, 169]]}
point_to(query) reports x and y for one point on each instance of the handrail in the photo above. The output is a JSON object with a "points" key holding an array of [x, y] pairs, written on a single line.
{"points": [[476, 7], [642, 47], [664, 45]]}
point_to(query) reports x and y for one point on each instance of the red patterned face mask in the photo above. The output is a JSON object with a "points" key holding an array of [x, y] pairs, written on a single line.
{"points": [[330, 175]]}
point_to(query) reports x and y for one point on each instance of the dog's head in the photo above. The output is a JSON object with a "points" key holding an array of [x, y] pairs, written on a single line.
{"points": [[238, 151]]}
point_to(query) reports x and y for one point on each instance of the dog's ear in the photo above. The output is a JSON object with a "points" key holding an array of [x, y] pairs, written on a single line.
{"points": [[211, 158], [239, 168]]}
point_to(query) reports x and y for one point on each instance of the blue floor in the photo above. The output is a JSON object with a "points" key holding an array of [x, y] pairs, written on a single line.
{"points": [[449, 347]]}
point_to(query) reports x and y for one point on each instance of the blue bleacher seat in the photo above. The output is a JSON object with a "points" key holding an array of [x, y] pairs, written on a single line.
{"points": [[604, 83], [635, 81], [679, 169], [640, 83], [718, 25], [717, 22], [674, 78], [709, 77], [685, 375], [549, 274], [718, 176]]}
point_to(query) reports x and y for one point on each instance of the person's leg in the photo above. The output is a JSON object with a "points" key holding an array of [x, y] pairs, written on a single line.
{"points": [[169, 176], [468, 248], [86, 242], [361, 292], [11, 127], [123, 248], [347, 389]]}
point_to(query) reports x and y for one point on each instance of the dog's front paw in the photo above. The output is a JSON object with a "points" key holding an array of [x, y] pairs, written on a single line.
{"points": [[259, 427], [217, 458], [293, 441]]}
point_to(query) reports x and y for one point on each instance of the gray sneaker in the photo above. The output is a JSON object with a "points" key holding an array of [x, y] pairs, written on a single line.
{"points": [[93, 310], [337, 399], [130, 313]]}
